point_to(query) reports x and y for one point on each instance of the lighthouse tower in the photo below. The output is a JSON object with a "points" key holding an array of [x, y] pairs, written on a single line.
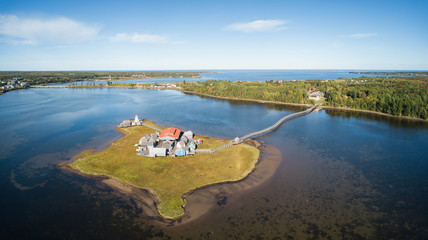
{"points": [[136, 120]]}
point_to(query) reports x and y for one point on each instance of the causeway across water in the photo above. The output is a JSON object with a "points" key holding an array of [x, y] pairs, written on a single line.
{"points": [[261, 132]]}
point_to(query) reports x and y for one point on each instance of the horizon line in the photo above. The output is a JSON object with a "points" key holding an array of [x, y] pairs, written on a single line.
{"points": [[223, 69]]}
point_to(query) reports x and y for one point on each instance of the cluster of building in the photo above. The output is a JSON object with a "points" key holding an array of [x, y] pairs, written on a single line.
{"points": [[164, 85], [15, 83], [131, 123], [171, 141]]}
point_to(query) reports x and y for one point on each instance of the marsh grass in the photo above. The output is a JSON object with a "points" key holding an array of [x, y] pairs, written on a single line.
{"points": [[167, 177]]}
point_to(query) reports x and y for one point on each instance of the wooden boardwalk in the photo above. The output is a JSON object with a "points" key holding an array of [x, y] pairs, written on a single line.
{"points": [[261, 132], [277, 124]]}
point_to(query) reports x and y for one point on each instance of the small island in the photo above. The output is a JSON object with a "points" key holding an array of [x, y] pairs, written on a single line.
{"points": [[168, 177]]}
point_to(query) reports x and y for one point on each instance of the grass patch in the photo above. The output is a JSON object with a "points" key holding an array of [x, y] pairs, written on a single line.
{"points": [[169, 178]]}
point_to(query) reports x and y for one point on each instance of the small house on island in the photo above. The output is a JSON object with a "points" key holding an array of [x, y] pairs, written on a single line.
{"points": [[157, 152], [170, 134], [180, 152], [168, 144], [170, 141], [188, 134], [191, 146], [131, 123]]}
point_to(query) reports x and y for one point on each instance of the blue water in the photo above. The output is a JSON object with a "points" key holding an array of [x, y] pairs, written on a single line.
{"points": [[287, 75], [342, 175], [254, 75]]}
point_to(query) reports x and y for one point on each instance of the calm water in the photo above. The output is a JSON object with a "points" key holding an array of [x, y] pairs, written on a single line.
{"points": [[256, 75], [342, 175], [263, 75]]}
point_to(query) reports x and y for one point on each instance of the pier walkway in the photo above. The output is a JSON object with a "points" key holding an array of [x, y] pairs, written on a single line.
{"points": [[152, 127], [273, 127], [261, 132]]}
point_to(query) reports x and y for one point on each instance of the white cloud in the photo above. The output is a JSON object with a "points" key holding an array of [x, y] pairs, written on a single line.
{"points": [[140, 38], [40, 31], [362, 35], [337, 44], [258, 26]]}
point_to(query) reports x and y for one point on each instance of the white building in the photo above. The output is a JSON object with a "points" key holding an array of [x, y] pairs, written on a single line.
{"points": [[316, 95], [157, 152]]}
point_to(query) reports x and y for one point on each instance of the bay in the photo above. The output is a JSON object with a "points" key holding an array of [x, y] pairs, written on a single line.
{"points": [[253, 75], [342, 174]]}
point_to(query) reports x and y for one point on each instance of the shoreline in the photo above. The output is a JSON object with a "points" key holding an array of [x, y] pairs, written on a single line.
{"points": [[266, 102], [214, 196], [245, 99], [374, 113], [304, 105], [122, 79], [136, 191], [145, 200]]}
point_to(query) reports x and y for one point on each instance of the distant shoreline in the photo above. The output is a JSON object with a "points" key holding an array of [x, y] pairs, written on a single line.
{"points": [[410, 73], [260, 101], [245, 99], [125, 78], [306, 105]]}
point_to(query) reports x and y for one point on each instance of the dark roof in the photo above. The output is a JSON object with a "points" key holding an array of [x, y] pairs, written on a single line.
{"points": [[167, 144]]}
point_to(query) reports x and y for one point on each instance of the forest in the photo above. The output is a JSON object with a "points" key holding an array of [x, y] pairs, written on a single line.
{"points": [[398, 96], [407, 73], [52, 77]]}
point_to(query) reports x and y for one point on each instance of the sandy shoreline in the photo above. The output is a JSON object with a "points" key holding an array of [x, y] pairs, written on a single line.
{"points": [[210, 198], [198, 201]]}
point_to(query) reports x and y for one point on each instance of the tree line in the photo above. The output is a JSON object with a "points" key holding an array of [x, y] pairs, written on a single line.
{"points": [[399, 96], [52, 77]]}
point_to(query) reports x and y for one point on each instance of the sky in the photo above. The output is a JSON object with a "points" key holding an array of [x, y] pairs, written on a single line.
{"points": [[198, 35]]}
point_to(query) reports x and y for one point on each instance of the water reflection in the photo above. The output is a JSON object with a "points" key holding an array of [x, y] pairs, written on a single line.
{"points": [[343, 175], [397, 122]]}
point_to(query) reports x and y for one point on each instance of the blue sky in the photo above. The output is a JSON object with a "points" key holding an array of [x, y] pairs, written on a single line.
{"points": [[183, 35]]}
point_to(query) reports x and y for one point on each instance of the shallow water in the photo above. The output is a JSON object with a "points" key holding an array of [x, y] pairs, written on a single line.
{"points": [[342, 174]]}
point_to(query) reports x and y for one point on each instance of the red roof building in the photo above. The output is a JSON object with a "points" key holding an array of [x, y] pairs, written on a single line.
{"points": [[170, 134]]}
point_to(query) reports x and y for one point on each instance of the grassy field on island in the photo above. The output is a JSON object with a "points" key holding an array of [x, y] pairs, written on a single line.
{"points": [[169, 178]]}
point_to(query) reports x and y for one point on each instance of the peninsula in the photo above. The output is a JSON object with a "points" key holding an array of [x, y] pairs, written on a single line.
{"points": [[396, 96], [403, 97], [168, 178], [13, 80]]}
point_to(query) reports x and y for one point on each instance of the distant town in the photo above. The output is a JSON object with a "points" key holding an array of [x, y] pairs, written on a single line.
{"points": [[13, 84], [13, 80], [402, 96], [409, 73]]}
